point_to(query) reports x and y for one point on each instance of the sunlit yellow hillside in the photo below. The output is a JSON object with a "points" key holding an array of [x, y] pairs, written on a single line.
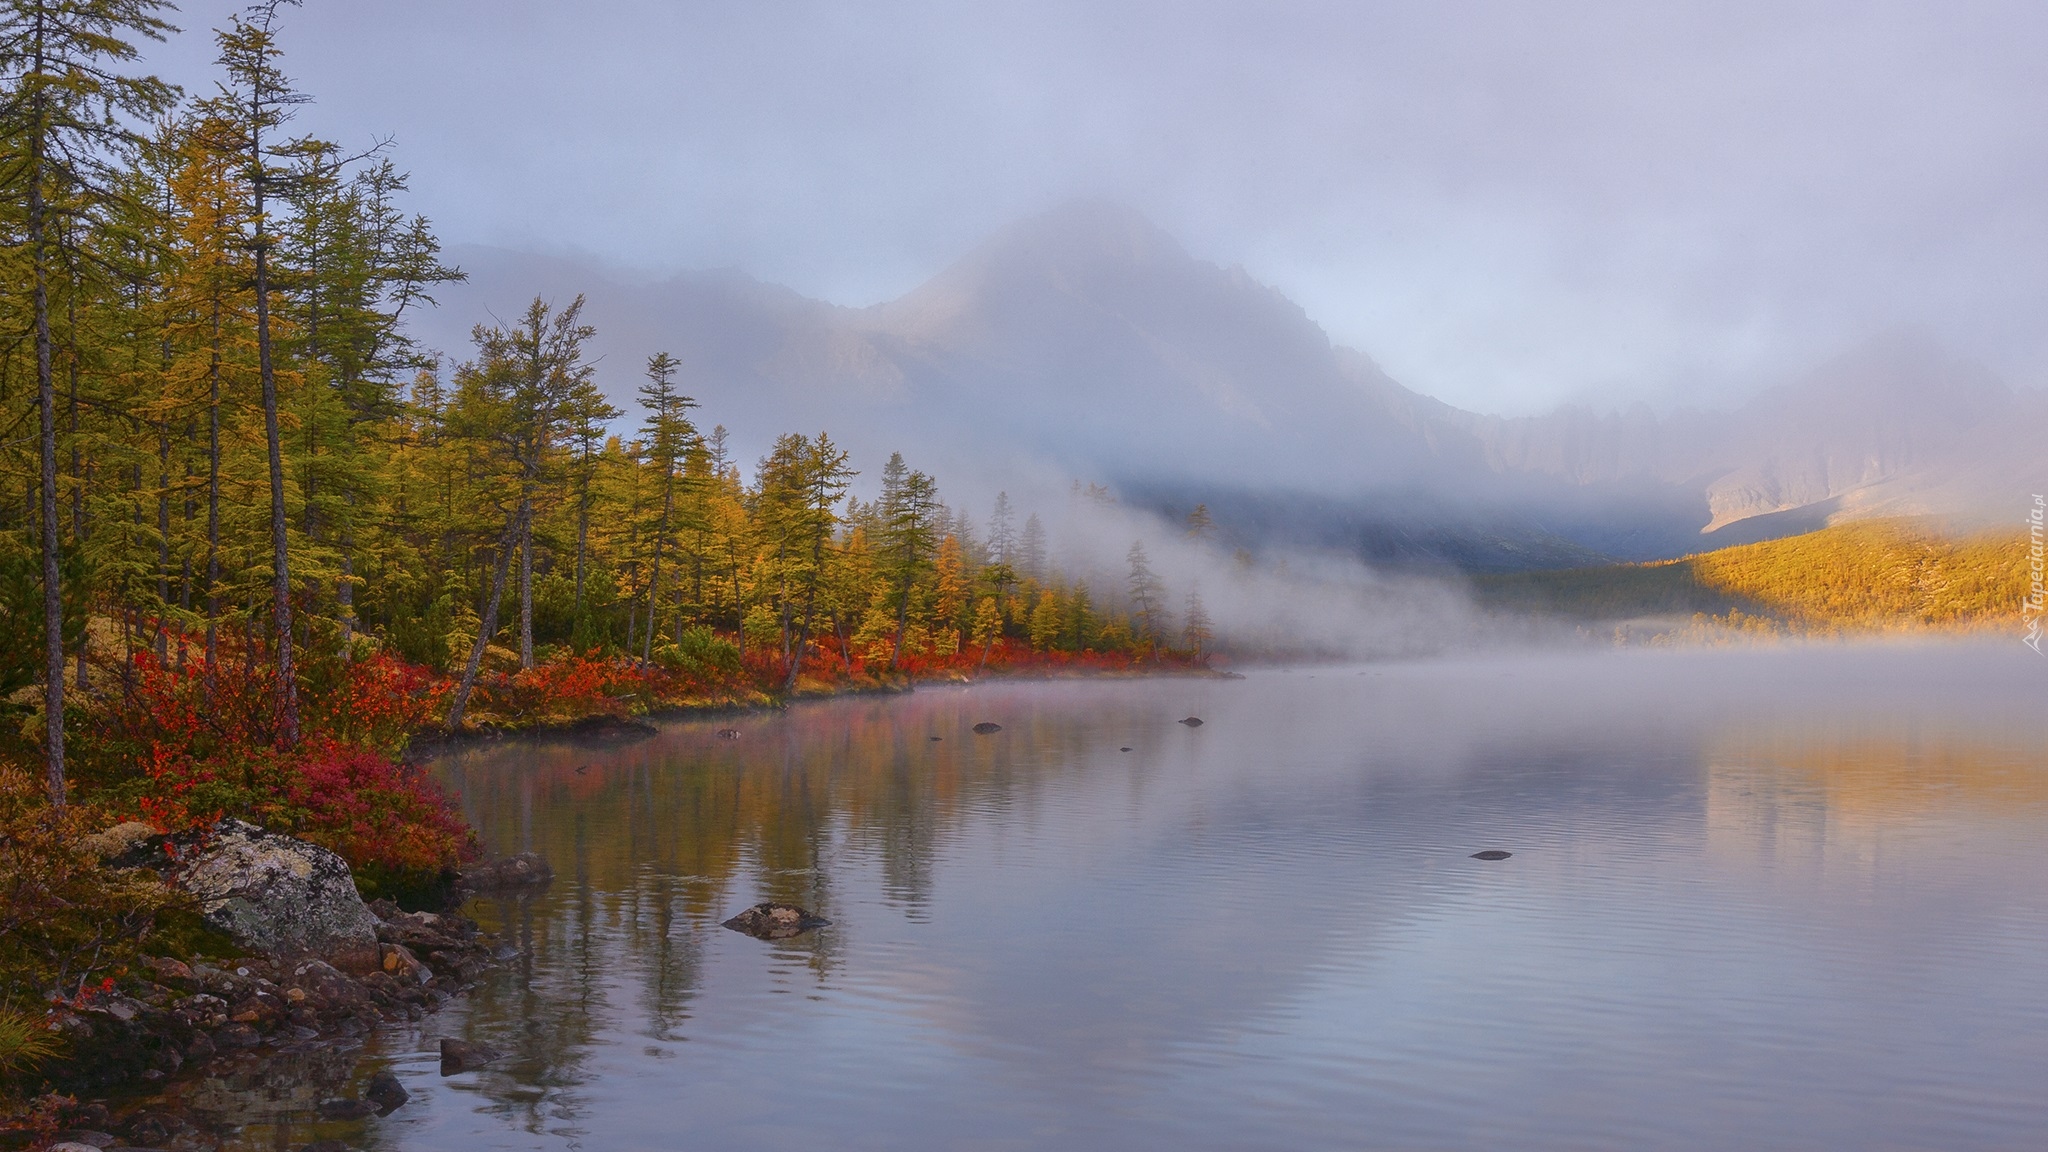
{"points": [[1898, 574]]}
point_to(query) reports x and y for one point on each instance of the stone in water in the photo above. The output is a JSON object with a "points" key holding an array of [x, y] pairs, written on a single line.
{"points": [[984, 728], [1492, 854], [461, 1056], [773, 921]]}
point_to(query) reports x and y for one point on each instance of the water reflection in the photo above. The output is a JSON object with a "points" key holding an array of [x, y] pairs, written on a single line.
{"points": [[1756, 900]]}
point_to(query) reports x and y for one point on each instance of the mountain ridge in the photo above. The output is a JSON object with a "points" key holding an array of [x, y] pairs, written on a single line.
{"points": [[1086, 341]]}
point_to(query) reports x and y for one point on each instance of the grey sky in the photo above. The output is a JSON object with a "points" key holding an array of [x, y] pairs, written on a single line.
{"points": [[1508, 204]]}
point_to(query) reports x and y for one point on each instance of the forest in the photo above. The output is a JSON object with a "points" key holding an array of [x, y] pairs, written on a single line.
{"points": [[254, 537]]}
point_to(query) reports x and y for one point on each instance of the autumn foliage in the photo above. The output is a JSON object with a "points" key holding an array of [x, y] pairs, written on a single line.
{"points": [[181, 747]]}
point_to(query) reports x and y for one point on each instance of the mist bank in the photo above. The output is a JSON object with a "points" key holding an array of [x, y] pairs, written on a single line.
{"points": [[1086, 344]]}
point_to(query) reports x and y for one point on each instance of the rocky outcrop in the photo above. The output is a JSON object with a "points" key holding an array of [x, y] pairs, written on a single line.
{"points": [[172, 1014], [274, 895]]}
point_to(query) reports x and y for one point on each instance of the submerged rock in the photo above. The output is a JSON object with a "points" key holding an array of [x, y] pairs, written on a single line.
{"points": [[345, 1108], [461, 1056], [1125, 748], [773, 921], [1491, 854], [984, 728], [1193, 721], [728, 733], [521, 870], [274, 894]]}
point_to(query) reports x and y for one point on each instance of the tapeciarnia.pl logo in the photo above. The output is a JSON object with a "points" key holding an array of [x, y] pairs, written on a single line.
{"points": [[2037, 595]]}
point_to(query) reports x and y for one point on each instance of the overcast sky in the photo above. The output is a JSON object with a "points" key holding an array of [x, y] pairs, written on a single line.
{"points": [[1507, 203]]}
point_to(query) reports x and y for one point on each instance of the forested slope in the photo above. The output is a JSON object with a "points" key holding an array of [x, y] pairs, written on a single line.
{"points": [[1877, 575]]}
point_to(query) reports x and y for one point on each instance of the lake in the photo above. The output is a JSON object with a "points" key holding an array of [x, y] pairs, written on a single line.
{"points": [[1761, 899]]}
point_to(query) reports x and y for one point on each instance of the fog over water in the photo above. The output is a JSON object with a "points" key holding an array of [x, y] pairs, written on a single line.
{"points": [[1784, 899]]}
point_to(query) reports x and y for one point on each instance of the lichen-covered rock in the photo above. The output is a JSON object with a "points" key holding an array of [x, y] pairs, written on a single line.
{"points": [[277, 895], [117, 841]]}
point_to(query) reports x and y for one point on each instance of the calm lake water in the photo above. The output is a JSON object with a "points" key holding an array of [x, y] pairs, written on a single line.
{"points": [[1760, 900]]}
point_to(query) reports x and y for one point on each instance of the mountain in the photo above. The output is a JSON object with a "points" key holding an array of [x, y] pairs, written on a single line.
{"points": [[1086, 342]]}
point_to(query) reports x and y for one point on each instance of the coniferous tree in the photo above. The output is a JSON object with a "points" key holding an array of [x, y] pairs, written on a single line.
{"points": [[669, 435], [1147, 595], [64, 109]]}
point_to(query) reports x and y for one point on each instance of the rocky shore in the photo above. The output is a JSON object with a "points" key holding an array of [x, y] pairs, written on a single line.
{"points": [[323, 970]]}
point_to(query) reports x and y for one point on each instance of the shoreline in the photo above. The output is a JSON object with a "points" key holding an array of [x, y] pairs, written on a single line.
{"points": [[604, 727]]}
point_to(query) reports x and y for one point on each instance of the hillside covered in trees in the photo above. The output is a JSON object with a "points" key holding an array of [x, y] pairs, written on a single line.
{"points": [[1874, 576]]}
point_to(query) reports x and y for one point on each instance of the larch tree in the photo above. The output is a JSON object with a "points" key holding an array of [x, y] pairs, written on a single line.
{"points": [[65, 109], [251, 110], [668, 435], [513, 404], [907, 515], [1148, 595], [1196, 627]]}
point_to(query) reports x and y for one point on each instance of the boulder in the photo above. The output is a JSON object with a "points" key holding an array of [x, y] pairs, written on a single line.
{"points": [[276, 895], [775, 921], [986, 727]]}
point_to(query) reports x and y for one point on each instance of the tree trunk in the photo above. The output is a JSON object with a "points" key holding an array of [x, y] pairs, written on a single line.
{"points": [[668, 501], [163, 537], [488, 625], [280, 564], [526, 585], [213, 505], [77, 466], [46, 403]]}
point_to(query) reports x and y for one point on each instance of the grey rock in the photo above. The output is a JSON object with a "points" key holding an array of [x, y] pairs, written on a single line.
{"points": [[71, 1146], [1193, 721], [773, 921], [985, 728], [277, 895], [1492, 854], [88, 1137]]}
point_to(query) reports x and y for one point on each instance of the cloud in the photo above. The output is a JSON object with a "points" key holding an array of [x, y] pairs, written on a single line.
{"points": [[1507, 204]]}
